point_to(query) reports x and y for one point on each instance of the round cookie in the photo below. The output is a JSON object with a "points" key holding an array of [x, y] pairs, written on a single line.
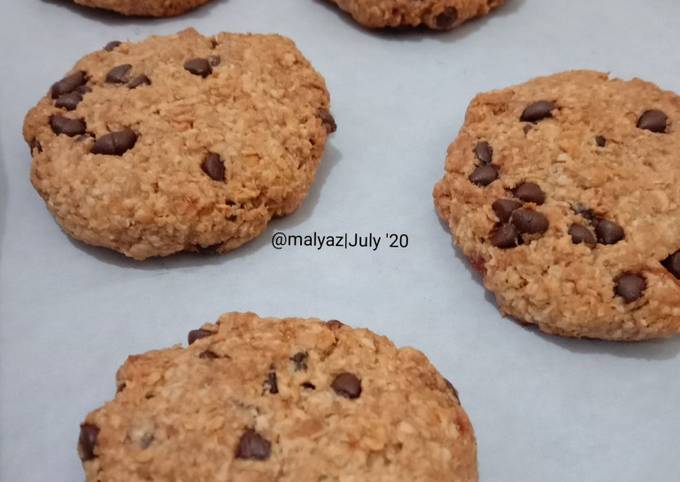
{"points": [[435, 14], [180, 142], [289, 400], [565, 193], [145, 8]]}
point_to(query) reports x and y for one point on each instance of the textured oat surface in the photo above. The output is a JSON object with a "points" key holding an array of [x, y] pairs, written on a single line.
{"points": [[146, 8], [262, 109], [181, 413], [592, 162], [435, 14]]}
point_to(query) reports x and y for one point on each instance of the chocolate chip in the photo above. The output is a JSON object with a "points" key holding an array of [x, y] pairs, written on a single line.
{"points": [[253, 446], [213, 166], [272, 383], [583, 211], [198, 67], [452, 388], [68, 101], [118, 74], [68, 84], [214, 60], [64, 125], [109, 47], [308, 386], [504, 236], [35, 144], [334, 324], [653, 120], [672, 264], [208, 355], [300, 361], [484, 152], [630, 286], [530, 192], [327, 120], [115, 143], [608, 232], [447, 18], [484, 175], [528, 221], [139, 80], [527, 128], [87, 441], [582, 235], [195, 335], [538, 111], [146, 440], [504, 208], [347, 385], [600, 141]]}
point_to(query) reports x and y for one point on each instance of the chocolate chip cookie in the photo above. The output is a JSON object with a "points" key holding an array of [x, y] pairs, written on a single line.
{"points": [[179, 142], [290, 400], [145, 8], [565, 193], [435, 14]]}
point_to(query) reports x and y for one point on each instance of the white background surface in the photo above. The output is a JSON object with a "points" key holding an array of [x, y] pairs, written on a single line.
{"points": [[544, 409]]}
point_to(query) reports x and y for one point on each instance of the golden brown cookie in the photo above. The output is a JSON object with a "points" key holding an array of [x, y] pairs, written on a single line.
{"points": [[565, 193], [179, 142], [145, 8], [435, 14], [290, 400]]}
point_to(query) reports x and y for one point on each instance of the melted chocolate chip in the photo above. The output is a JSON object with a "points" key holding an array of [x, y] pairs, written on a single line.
{"points": [[447, 19], [198, 67], [530, 192], [111, 46], [69, 101], [582, 235], [504, 236], [538, 111], [300, 361], [253, 446], [672, 264], [87, 441], [68, 84], [195, 335], [528, 221], [600, 141], [327, 120], [503, 208], [308, 386], [272, 383], [484, 152], [66, 126], [115, 143], [139, 80], [347, 385], [630, 286], [608, 232], [653, 120], [213, 166], [484, 175], [118, 74]]}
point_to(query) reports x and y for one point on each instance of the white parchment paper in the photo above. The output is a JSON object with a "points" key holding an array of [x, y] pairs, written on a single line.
{"points": [[544, 409]]}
